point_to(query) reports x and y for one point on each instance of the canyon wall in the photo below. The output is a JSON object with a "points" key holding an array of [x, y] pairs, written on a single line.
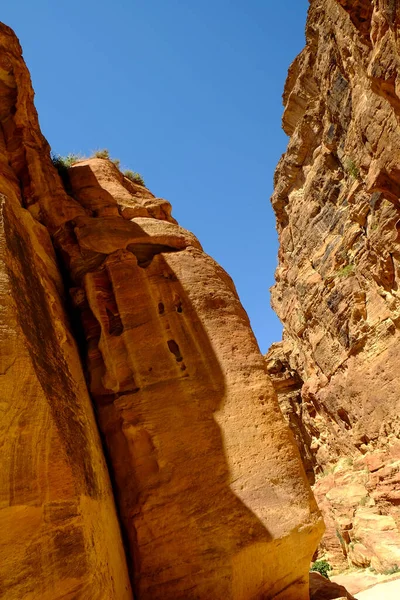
{"points": [[184, 481], [336, 201]]}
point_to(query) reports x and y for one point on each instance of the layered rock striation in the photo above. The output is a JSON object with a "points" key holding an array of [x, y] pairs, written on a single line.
{"points": [[337, 208], [336, 201], [194, 487]]}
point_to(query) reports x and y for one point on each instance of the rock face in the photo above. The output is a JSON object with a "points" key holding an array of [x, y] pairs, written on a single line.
{"points": [[184, 405], [359, 500], [336, 200], [105, 298]]}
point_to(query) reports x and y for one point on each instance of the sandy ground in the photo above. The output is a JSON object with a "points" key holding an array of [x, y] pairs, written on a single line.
{"points": [[366, 585], [383, 591]]}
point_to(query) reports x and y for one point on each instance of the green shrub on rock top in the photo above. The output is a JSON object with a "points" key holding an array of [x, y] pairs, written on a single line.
{"points": [[322, 567], [62, 163], [105, 154], [135, 177], [102, 154]]}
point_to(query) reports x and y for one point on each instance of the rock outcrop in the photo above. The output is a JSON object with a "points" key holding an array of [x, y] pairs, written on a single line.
{"points": [[336, 200], [105, 298]]}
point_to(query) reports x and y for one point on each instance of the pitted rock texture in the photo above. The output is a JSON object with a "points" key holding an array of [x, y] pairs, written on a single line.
{"points": [[98, 278], [336, 200]]}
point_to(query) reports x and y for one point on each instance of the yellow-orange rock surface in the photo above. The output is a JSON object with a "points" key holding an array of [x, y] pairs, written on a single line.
{"points": [[336, 201], [60, 536], [208, 482], [210, 491]]}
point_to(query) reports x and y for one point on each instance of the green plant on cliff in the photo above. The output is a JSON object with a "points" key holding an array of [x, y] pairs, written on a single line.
{"points": [[392, 570], [104, 153], [62, 163], [351, 168], [347, 270], [135, 177], [322, 567]]}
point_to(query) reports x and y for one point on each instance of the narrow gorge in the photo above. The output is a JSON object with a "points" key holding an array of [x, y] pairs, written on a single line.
{"points": [[149, 450]]}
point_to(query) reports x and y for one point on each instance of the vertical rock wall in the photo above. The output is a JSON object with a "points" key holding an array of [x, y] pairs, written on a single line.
{"points": [[208, 481], [211, 494], [336, 201]]}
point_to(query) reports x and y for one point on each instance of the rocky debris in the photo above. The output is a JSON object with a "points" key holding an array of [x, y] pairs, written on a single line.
{"points": [[210, 490], [359, 501], [336, 201]]}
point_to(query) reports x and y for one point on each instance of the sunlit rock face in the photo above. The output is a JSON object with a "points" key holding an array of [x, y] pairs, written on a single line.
{"points": [[210, 489], [107, 302], [60, 536], [336, 200]]}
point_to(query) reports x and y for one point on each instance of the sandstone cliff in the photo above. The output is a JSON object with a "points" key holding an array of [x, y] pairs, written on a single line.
{"points": [[107, 302], [336, 201]]}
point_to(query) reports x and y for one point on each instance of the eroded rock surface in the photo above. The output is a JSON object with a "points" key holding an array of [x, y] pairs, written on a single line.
{"points": [[202, 462], [336, 200], [210, 490]]}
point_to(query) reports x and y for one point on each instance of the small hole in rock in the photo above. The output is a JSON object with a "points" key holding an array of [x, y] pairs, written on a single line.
{"points": [[115, 326], [174, 349], [161, 308]]}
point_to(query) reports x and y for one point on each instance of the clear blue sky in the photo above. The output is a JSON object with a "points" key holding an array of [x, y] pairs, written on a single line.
{"points": [[188, 93]]}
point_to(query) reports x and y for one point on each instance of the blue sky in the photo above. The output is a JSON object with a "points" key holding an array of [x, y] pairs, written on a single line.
{"points": [[186, 93]]}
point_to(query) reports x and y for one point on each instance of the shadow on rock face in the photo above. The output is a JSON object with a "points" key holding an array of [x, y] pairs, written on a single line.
{"points": [[323, 589], [157, 383]]}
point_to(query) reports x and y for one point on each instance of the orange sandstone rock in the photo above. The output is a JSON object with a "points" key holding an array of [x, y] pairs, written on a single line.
{"points": [[59, 530], [210, 490], [336, 201]]}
